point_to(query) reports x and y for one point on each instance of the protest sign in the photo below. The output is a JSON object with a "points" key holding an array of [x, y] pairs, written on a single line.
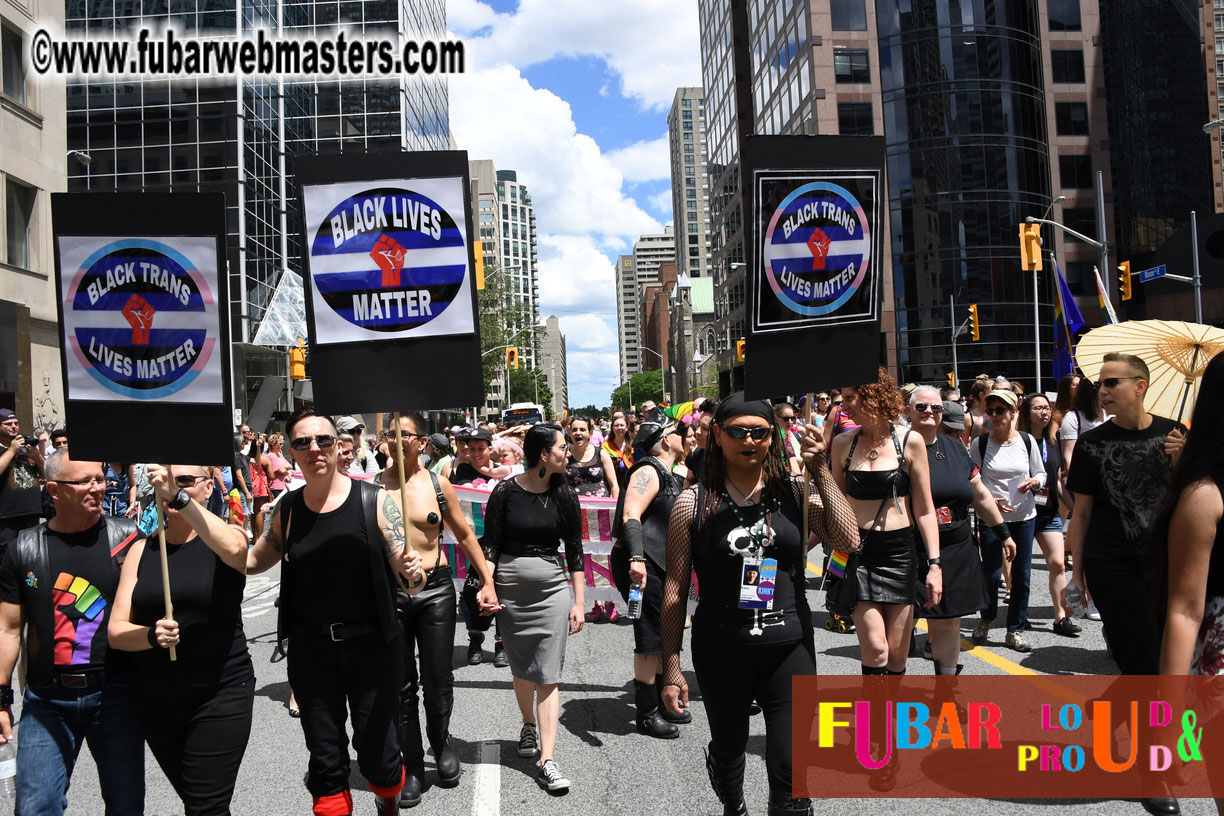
{"points": [[143, 312], [390, 295], [814, 261]]}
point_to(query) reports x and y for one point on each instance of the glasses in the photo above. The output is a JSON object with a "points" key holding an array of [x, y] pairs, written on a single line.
{"points": [[93, 481], [837, 402], [187, 482], [996, 411], [822, 398], [790, 418], [933, 407], [1112, 382], [324, 441], [740, 432], [1041, 408]]}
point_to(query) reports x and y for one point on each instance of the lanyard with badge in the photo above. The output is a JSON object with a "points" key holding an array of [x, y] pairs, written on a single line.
{"points": [[1041, 495], [758, 574]]}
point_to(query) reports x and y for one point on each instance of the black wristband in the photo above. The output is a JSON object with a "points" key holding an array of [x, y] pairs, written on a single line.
{"points": [[153, 637], [633, 536], [6, 696], [935, 562], [1001, 531]]}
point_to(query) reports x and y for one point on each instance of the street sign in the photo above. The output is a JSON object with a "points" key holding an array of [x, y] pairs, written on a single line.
{"points": [[1153, 273]]}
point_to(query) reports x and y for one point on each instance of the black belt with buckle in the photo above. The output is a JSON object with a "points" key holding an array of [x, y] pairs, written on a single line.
{"points": [[338, 632], [95, 678]]}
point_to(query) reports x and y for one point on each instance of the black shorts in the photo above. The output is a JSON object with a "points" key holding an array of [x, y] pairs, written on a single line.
{"points": [[648, 629]]}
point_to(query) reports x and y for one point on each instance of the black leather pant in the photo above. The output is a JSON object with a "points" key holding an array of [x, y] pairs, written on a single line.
{"points": [[427, 627]]}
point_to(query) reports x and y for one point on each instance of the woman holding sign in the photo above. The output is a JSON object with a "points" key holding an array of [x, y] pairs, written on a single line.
{"points": [[196, 710], [741, 527]]}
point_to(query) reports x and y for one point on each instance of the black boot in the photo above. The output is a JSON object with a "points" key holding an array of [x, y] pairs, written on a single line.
{"points": [[388, 805], [678, 719], [939, 669], [447, 761], [475, 655], [649, 721], [410, 794], [781, 803], [727, 780]]}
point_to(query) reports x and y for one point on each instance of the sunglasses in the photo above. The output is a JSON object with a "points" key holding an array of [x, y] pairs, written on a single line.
{"points": [[324, 441], [996, 411], [188, 481], [837, 402], [1112, 382], [91, 482], [933, 407], [786, 419], [740, 432]]}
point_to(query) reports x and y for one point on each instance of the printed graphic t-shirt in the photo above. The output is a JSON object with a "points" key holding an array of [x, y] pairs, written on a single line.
{"points": [[19, 488], [1126, 472], [83, 583]]}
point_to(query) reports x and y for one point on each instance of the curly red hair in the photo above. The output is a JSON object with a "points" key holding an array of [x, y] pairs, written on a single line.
{"points": [[881, 399]]}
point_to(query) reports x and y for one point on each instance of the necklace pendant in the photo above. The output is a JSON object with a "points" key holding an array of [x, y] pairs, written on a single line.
{"points": [[873, 455]]}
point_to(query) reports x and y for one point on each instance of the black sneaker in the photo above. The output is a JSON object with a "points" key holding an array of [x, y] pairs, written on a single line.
{"points": [[926, 650], [552, 778], [475, 654], [500, 659], [914, 649], [1067, 628], [529, 740]]}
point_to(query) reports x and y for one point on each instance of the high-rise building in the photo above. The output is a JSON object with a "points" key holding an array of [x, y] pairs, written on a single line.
{"points": [[627, 317], [650, 252], [690, 202], [33, 157], [239, 137], [553, 364]]}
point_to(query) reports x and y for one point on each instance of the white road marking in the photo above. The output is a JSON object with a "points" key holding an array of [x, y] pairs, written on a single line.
{"points": [[486, 800]]}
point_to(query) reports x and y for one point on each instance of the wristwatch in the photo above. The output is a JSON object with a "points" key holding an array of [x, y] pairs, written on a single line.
{"points": [[934, 562], [180, 500]]}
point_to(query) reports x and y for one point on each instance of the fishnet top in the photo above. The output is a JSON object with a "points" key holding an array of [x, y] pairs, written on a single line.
{"points": [[830, 518]]}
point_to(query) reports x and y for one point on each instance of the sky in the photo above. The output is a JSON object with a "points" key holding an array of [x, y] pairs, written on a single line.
{"points": [[574, 97]]}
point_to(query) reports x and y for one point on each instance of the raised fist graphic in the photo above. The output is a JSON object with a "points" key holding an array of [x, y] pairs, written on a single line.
{"points": [[819, 244], [140, 315], [389, 255]]}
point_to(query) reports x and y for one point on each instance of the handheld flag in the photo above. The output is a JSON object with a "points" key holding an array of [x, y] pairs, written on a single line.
{"points": [[837, 564]]}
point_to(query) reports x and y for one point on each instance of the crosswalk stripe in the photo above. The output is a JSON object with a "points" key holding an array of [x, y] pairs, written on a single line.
{"points": [[486, 798]]}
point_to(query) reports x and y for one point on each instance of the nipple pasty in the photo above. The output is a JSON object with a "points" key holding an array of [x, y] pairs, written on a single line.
{"points": [[432, 518]]}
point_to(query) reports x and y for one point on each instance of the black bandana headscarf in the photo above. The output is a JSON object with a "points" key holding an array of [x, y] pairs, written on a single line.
{"points": [[736, 406]]}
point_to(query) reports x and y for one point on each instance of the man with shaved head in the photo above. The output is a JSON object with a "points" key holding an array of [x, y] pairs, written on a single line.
{"points": [[60, 578]]}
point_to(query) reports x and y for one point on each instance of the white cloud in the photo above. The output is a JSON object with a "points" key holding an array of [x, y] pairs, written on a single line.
{"points": [[643, 161], [652, 47], [587, 332], [662, 202], [575, 276], [592, 376]]}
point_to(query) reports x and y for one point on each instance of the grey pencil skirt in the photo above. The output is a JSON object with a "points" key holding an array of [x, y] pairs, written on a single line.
{"points": [[535, 623]]}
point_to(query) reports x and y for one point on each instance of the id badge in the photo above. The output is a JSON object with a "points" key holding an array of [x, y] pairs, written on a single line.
{"points": [[757, 581], [1042, 496], [943, 515]]}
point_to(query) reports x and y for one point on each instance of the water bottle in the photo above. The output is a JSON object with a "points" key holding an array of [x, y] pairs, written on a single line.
{"points": [[8, 772], [1075, 598], [635, 600]]}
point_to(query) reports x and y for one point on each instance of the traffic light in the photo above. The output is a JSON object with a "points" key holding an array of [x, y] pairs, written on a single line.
{"points": [[297, 361], [479, 265], [739, 350], [951, 379], [512, 357], [975, 329], [1124, 280], [1030, 248]]}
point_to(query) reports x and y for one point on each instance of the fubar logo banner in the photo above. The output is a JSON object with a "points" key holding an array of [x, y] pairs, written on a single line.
{"points": [[818, 257], [141, 319], [388, 259]]}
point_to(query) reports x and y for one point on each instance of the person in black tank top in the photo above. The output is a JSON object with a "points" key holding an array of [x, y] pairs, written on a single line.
{"points": [[752, 631], [195, 711], [640, 556], [342, 548]]}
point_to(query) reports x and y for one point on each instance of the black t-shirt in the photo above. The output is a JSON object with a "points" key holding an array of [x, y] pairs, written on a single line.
{"points": [[1126, 472], [694, 462], [952, 473], [20, 494], [329, 552], [242, 462], [207, 598], [719, 566], [83, 581], [464, 474]]}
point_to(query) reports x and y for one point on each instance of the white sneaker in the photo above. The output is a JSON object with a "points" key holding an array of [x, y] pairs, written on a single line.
{"points": [[1091, 613]]}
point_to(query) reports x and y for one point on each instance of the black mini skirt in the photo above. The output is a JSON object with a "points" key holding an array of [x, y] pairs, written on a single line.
{"points": [[887, 566]]}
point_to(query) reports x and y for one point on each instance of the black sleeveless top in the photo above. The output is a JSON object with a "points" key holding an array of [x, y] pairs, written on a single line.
{"points": [[587, 478], [718, 561], [877, 484], [657, 514], [329, 551], [207, 596]]}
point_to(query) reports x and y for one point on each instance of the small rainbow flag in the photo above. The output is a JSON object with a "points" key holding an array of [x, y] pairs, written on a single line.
{"points": [[837, 564]]}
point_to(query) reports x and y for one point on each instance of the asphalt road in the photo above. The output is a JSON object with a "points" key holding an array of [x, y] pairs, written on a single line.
{"points": [[614, 771]]}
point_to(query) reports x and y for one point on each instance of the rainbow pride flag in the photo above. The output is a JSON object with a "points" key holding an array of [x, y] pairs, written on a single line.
{"points": [[837, 564]]}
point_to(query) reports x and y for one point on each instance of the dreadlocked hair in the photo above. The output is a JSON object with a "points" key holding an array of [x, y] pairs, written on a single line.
{"points": [[713, 478]]}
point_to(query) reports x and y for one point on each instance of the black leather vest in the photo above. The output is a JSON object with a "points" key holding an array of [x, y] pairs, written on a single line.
{"points": [[655, 519]]}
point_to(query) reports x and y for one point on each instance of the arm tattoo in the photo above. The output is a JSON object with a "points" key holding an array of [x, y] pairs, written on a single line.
{"points": [[642, 483], [393, 537], [274, 539]]}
